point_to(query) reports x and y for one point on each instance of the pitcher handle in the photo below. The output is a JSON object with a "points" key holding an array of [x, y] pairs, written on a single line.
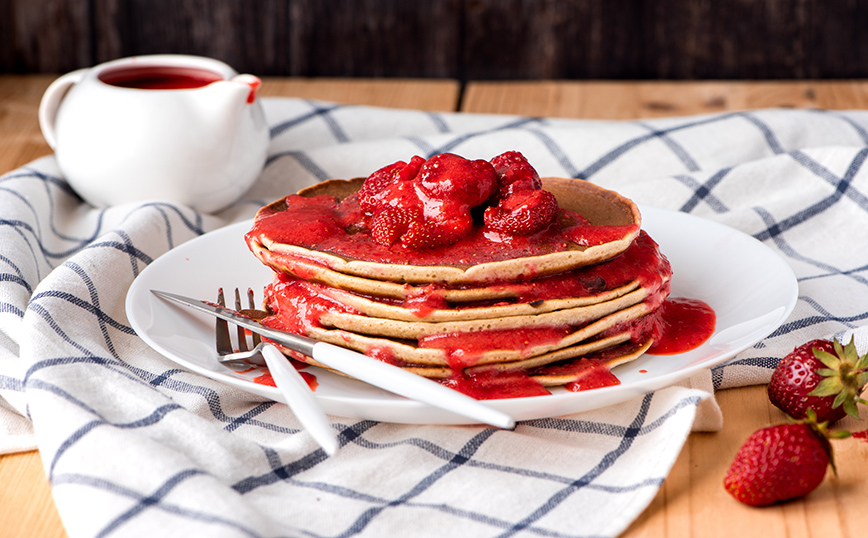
{"points": [[51, 102]]}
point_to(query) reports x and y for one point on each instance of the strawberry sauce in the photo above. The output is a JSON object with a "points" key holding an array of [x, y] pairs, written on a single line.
{"points": [[266, 379], [448, 210], [493, 384], [159, 77], [320, 223], [684, 324], [593, 375]]}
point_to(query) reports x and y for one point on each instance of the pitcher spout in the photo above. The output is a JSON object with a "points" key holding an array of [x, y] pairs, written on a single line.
{"points": [[233, 93], [251, 82]]}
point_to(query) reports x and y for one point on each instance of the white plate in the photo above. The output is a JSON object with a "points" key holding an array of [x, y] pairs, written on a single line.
{"points": [[751, 289]]}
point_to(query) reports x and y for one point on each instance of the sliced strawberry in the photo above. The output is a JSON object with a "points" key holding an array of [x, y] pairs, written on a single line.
{"points": [[522, 213]]}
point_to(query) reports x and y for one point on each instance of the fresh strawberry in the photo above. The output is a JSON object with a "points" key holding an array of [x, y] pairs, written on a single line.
{"points": [[522, 213], [821, 375], [425, 234], [376, 183], [779, 463], [450, 177], [514, 171], [374, 188], [389, 224]]}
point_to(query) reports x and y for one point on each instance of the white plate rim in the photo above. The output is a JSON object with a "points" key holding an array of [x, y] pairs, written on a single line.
{"points": [[678, 233]]}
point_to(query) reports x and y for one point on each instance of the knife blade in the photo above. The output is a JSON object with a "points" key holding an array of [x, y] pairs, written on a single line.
{"points": [[377, 373]]}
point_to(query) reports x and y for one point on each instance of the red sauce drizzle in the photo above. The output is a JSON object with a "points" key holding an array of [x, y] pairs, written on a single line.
{"points": [[493, 384], [588, 235], [683, 324], [384, 354], [594, 377], [266, 379], [425, 299]]}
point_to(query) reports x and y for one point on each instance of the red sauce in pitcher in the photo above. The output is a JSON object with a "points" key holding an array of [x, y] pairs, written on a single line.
{"points": [[159, 77]]}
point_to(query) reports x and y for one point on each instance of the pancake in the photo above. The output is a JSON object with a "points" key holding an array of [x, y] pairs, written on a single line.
{"points": [[503, 359], [571, 352], [377, 308], [573, 370], [380, 288], [418, 329], [640, 263], [410, 351], [604, 209], [584, 293], [555, 302]]}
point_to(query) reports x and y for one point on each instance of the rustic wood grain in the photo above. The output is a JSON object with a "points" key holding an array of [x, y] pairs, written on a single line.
{"points": [[650, 99], [26, 506], [460, 39], [691, 503], [374, 38], [47, 36], [21, 140], [253, 36], [430, 95]]}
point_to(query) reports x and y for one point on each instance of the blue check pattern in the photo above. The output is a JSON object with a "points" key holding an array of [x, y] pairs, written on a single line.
{"points": [[136, 446]]}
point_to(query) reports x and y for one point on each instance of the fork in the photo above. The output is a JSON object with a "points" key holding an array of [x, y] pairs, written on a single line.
{"points": [[292, 386], [359, 366], [223, 340]]}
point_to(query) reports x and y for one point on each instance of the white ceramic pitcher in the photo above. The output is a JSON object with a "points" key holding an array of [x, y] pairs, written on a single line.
{"points": [[178, 128]]}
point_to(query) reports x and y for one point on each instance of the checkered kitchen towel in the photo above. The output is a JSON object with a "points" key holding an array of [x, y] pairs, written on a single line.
{"points": [[136, 446]]}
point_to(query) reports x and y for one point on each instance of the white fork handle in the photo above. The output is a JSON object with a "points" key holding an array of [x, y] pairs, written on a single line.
{"points": [[300, 399], [409, 385]]}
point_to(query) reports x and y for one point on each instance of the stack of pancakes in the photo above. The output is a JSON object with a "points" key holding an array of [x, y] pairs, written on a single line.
{"points": [[549, 316]]}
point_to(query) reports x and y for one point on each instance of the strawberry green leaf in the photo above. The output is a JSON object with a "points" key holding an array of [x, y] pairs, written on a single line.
{"points": [[828, 359], [827, 387], [850, 354], [839, 434], [850, 408]]}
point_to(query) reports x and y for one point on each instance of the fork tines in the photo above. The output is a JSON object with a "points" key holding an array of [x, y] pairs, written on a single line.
{"points": [[224, 341]]}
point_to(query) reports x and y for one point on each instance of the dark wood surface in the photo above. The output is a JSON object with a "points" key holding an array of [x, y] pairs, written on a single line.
{"points": [[457, 39]]}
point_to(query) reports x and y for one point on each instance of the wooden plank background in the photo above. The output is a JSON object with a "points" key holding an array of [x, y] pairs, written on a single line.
{"points": [[457, 39]]}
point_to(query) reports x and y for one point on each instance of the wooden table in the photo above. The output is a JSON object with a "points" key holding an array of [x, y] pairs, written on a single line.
{"points": [[692, 502]]}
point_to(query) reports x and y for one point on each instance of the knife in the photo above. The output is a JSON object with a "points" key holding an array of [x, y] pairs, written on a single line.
{"points": [[359, 366]]}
